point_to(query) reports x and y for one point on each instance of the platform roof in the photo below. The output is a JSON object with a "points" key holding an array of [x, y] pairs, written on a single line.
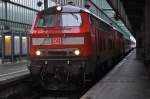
{"points": [[135, 11], [107, 9]]}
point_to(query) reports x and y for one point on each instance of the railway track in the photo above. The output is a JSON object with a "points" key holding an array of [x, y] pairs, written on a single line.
{"points": [[44, 94], [25, 88]]}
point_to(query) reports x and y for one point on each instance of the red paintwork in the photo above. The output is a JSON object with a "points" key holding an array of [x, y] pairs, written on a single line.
{"points": [[83, 31], [93, 38]]}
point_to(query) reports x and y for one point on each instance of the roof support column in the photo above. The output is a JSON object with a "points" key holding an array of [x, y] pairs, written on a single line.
{"points": [[147, 34], [45, 4], [140, 43]]}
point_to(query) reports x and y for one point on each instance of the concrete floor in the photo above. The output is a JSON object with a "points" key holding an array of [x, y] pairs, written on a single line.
{"points": [[130, 79], [12, 71]]}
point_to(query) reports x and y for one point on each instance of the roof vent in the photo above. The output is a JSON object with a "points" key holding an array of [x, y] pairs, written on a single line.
{"points": [[71, 3], [87, 6]]}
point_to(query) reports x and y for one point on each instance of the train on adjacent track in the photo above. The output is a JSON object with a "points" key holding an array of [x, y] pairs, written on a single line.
{"points": [[70, 46]]}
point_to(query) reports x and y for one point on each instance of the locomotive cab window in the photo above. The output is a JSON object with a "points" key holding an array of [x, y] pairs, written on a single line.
{"points": [[70, 19], [47, 21], [62, 20]]}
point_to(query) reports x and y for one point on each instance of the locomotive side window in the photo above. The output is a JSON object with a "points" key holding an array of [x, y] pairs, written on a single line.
{"points": [[41, 41], [70, 19], [47, 21], [73, 40]]}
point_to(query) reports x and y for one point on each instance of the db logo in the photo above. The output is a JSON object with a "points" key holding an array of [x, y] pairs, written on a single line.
{"points": [[56, 40]]}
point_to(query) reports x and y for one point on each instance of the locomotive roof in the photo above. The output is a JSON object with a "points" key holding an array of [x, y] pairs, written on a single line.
{"points": [[69, 9], [66, 8]]}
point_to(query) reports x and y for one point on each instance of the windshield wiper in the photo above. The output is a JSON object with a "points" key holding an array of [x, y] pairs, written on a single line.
{"points": [[74, 16]]}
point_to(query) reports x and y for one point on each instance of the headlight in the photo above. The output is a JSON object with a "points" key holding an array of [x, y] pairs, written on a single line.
{"points": [[38, 53], [77, 52], [59, 8]]}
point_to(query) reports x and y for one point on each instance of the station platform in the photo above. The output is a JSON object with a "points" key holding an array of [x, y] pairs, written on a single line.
{"points": [[13, 71], [130, 79]]}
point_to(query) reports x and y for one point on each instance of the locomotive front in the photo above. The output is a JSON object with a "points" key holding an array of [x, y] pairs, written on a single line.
{"points": [[59, 47]]}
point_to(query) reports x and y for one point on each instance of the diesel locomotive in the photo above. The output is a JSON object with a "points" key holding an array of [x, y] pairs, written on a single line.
{"points": [[70, 46]]}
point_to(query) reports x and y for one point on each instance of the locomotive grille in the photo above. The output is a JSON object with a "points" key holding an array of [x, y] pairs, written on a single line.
{"points": [[58, 52]]}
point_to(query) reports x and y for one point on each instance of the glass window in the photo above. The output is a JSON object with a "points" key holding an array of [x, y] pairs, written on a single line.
{"points": [[47, 21], [73, 40], [50, 20], [41, 41], [74, 19], [51, 3], [1, 9]]}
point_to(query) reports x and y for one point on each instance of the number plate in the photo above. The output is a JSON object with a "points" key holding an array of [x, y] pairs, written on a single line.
{"points": [[56, 40]]}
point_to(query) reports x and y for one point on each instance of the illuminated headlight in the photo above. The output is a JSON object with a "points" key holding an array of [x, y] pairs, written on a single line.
{"points": [[59, 8], [38, 53], [77, 52]]}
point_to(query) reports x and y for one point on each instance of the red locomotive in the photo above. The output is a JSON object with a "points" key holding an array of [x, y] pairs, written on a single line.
{"points": [[70, 45]]}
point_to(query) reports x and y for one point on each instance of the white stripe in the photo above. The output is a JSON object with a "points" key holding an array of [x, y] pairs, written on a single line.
{"points": [[13, 73]]}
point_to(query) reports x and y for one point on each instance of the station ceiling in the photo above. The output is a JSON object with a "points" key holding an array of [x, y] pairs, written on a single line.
{"points": [[135, 12]]}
